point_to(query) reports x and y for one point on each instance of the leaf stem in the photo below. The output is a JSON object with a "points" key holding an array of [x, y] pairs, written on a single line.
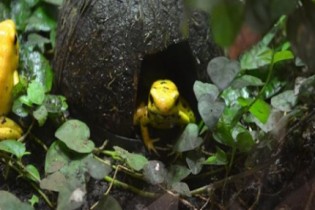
{"points": [[131, 188]]}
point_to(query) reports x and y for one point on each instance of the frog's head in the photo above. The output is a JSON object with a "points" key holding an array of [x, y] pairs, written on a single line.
{"points": [[163, 97], [9, 47]]}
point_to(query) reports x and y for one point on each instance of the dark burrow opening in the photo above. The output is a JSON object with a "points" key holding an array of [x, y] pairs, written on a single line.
{"points": [[175, 63]]}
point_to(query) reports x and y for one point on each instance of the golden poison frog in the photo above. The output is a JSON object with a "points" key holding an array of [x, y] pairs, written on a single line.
{"points": [[165, 109], [9, 57]]}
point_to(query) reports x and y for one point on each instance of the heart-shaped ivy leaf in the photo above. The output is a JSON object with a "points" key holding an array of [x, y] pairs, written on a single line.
{"points": [[210, 111], [201, 88], [189, 139], [75, 134], [222, 71]]}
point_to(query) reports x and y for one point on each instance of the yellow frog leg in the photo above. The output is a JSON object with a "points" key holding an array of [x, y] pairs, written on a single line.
{"points": [[140, 113], [141, 118], [147, 140], [186, 117]]}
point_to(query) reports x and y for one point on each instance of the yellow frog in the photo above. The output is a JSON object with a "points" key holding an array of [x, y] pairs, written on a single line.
{"points": [[9, 57], [165, 109]]}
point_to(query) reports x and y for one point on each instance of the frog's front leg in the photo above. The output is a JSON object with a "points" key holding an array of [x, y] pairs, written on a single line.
{"points": [[148, 141], [141, 118], [186, 117]]}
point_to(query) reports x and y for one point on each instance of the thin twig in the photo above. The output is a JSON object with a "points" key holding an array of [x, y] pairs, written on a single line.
{"points": [[131, 188]]}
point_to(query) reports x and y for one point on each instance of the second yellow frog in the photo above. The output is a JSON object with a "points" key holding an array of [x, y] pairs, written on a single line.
{"points": [[9, 57], [165, 109]]}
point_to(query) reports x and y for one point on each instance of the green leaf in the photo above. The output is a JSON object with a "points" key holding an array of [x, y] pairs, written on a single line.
{"points": [[218, 158], [154, 172], [222, 134], [181, 188], [9, 202], [13, 147], [20, 12], [231, 95], [95, 168], [75, 172], [210, 111], [35, 40], [56, 157], [32, 3], [282, 56], [35, 65], [136, 161], [259, 55], [19, 109], [245, 101], [53, 182], [36, 92], [55, 103], [41, 20], [120, 152], [41, 114], [284, 101], [226, 20], [75, 134], [189, 139], [33, 200], [246, 80], [33, 173], [245, 141], [231, 113], [107, 202], [194, 162], [177, 173], [273, 87], [222, 71], [201, 89], [261, 110], [25, 100]]}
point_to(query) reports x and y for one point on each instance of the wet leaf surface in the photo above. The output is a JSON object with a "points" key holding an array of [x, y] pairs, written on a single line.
{"points": [[75, 134]]}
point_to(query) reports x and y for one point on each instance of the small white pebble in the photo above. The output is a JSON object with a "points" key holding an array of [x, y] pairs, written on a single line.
{"points": [[77, 195]]}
